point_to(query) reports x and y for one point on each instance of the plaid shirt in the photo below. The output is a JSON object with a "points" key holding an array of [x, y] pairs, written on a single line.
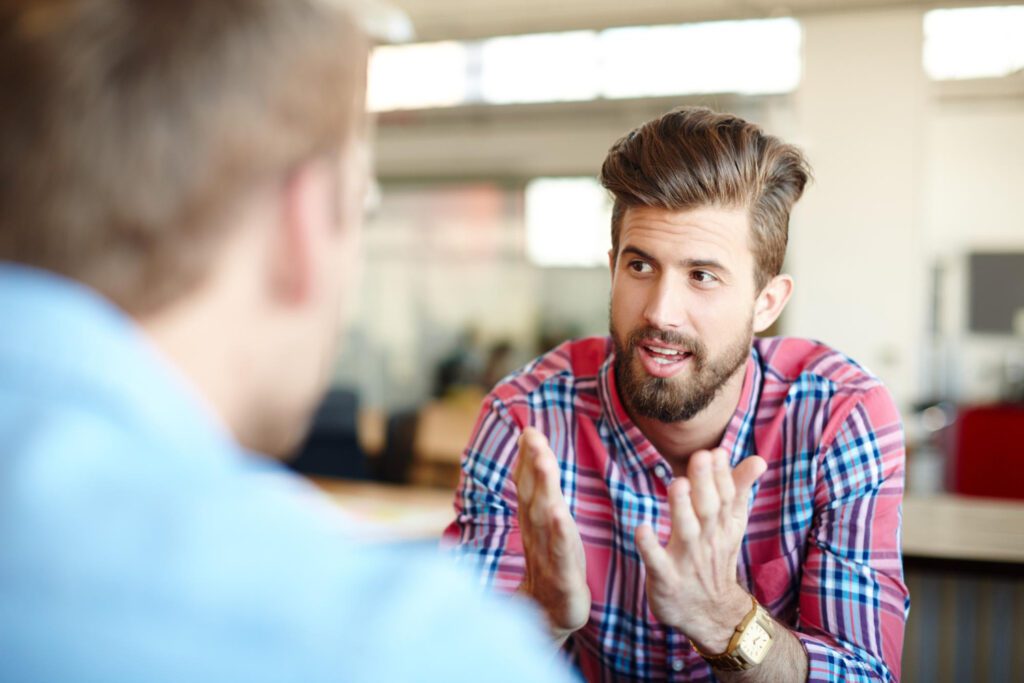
{"points": [[822, 546]]}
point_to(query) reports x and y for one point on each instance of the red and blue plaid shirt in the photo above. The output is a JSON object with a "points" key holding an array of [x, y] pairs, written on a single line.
{"points": [[822, 546]]}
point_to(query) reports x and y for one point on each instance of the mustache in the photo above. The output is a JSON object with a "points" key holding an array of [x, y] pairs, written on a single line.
{"points": [[685, 342]]}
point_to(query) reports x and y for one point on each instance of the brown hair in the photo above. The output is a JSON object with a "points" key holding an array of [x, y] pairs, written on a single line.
{"points": [[693, 157], [129, 129]]}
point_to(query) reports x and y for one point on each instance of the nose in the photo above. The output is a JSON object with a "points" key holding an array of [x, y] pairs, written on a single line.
{"points": [[665, 307]]}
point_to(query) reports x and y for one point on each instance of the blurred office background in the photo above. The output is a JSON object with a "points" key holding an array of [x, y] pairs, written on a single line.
{"points": [[488, 243]]}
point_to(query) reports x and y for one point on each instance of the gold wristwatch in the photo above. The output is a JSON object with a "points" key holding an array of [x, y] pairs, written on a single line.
{"points": [[749, 644]]}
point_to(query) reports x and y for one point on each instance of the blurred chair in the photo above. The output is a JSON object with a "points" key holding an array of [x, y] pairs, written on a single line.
{"points": [[395, 459], [988, 457], [332, 446], [443, 430]]}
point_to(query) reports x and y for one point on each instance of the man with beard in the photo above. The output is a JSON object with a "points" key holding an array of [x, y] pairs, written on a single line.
{"points": [[182, 194], [683, 501]]}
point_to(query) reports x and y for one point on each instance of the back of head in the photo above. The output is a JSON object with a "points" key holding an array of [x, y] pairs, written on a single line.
{"points": [[693, 157], [129, 129]]}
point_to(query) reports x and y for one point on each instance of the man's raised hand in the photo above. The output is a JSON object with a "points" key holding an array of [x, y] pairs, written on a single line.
{"points": [[556, 573], [691, 582]]}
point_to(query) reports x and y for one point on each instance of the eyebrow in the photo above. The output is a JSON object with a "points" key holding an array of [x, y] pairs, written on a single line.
{"points": [[688, 263]]}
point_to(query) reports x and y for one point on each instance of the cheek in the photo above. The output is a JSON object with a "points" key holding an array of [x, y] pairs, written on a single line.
{"points": [[625, 304], [721, 318]]}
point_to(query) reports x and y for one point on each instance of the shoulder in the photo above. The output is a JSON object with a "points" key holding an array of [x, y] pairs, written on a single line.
{"points": [[262, 572], [792, 359], [378, 612], [564, 378], [433, 610], [821, 386], [571, 362]]}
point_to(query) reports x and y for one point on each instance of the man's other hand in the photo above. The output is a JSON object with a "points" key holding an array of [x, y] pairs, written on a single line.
{"points": [[691, 582], [556, 570]]}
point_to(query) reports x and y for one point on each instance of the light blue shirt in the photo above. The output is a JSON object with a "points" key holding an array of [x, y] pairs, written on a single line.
{"points": [[138, 542]]}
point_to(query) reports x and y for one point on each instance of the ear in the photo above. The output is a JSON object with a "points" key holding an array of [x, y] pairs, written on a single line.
{"points": [[300, 229], [771, 301], [611, 262]]}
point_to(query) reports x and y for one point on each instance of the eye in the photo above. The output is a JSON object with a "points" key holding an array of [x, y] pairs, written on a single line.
{"points": [[638, 266], [703, 278]]}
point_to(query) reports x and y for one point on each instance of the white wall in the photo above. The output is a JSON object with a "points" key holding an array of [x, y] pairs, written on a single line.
{"points": [[974, 201], [856, 236]]}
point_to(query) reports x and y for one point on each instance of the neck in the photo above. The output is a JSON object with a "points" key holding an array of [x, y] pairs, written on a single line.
{"points": [[208, 362], [677, 441]]}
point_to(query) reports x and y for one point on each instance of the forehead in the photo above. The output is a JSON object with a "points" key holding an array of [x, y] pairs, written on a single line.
{"points": [[705, 232]]}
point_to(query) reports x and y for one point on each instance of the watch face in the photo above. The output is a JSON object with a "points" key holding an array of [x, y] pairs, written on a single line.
{"points": [[754, 642]]}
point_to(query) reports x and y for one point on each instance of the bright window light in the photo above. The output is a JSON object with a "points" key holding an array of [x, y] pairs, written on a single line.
{"points": [[976, 42], [747, 57], [417, 76], [568, 222], [548, 67], [760, 56]]}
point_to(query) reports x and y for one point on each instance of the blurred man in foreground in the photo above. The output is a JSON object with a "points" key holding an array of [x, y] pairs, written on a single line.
{"points": [[181, 187], [704, 505]]}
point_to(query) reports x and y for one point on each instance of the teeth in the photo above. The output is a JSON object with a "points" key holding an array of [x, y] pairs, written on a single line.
{"points": [[663, 352], [663, 361]]}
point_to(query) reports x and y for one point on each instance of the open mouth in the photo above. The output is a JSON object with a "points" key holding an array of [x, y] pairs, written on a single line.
{"points": [[660, 360]]}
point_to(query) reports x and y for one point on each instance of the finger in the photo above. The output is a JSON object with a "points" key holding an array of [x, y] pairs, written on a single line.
{"points": [[723, 477], [744, 475], [565, 537], [531, 499], [685, 525], [655, 558], [543, 502], [703, 490], [537, 531], [522, 475], [545, 465], [547, 478]]}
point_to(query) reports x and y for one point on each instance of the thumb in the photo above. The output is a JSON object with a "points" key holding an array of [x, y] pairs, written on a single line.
{"points": [[654, 556]]}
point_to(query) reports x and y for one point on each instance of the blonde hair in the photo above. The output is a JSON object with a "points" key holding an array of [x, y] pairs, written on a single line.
{"points": [[129, 128]]}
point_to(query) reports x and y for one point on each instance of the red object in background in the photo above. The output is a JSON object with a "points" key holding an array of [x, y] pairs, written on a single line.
{"points": [[989, 456]]}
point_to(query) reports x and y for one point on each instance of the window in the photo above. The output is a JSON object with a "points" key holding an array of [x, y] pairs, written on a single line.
{"points": [[417, 76], [568, 222], [747, 57], [977, 42], [551, 67]]}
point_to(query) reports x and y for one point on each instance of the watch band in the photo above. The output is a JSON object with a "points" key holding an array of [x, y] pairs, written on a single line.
{"points": [[735, 658]]}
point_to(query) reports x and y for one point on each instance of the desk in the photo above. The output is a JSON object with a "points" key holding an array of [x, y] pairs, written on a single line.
{"points": [[406, 513], [951, 527], [944, 527]]}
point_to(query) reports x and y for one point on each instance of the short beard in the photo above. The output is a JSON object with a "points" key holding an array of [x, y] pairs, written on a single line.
{"points": [[669, 400]]}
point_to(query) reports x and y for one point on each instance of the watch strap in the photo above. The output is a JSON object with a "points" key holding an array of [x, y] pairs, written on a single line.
{"points": [[732, 659]]}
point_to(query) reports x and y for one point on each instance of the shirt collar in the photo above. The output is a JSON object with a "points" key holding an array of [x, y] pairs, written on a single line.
{"points": [[635, 449]]}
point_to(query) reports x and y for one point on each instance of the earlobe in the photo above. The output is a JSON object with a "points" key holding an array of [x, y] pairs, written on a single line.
{"points": [[771, 302]]}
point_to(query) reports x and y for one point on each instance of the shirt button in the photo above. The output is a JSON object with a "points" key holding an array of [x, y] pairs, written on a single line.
{"points": [[661, 471], [677, 665]]}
